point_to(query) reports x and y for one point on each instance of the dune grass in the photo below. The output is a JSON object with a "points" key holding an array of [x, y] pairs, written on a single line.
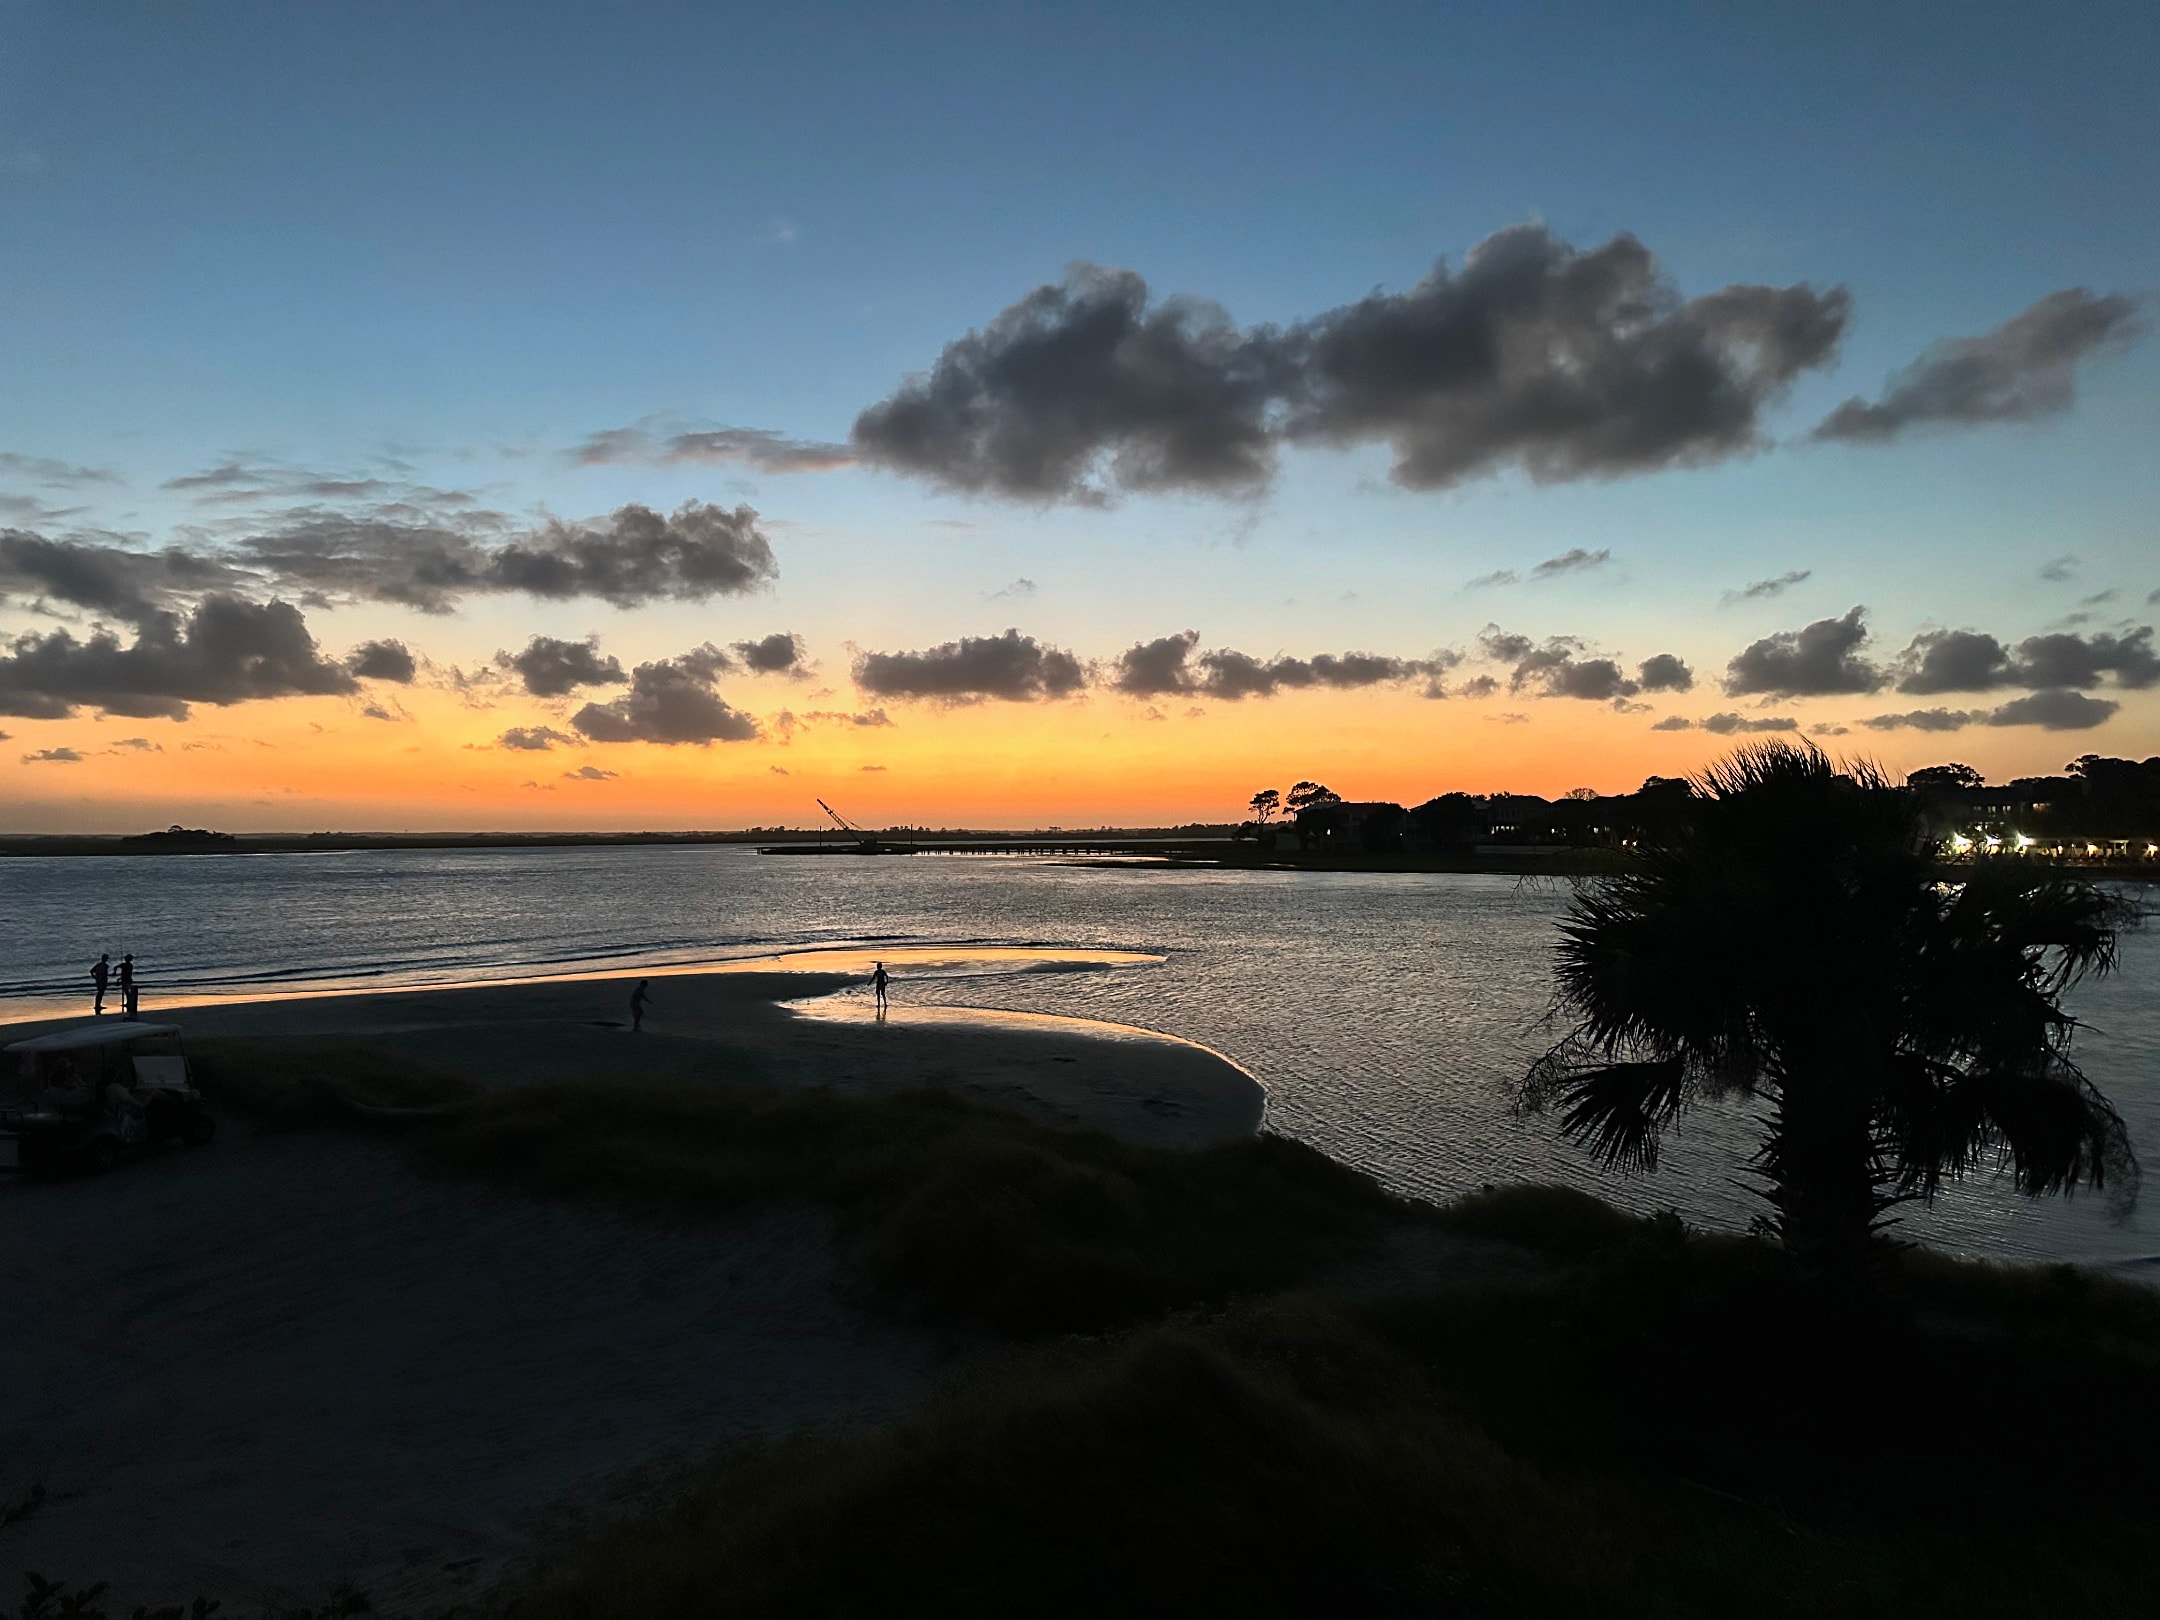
{"points": [[971, 1212], [1663, 1424], [1671, 1432], [1275, 1462]]}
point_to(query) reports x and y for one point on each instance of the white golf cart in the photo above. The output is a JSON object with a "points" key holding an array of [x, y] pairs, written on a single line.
{"points": [[84, 1096]]}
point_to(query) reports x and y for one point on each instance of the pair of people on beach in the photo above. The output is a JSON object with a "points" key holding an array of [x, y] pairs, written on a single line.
{"points": [[641, 997], [105, 979]]}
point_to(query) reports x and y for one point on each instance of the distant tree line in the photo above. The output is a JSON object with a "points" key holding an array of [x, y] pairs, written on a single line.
{"points": [[2095, 797]]}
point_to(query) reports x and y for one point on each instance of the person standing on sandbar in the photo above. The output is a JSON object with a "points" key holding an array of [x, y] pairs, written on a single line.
{"points": [[127, 985], [100, 976], [638, 999], [879, 979]]}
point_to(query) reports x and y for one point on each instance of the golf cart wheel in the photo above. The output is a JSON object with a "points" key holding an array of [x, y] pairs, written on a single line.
{"points": [[101, 1155], [199, 1129]]}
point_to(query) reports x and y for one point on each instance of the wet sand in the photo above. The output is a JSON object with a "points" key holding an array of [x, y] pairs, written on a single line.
{"points": [[294, 1357]]}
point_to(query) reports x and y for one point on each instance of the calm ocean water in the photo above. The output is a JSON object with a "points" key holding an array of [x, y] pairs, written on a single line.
{"points": [[1387, 1014]]}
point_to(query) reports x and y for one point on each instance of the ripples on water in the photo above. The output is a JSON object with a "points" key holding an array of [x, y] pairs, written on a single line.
{"points": [[1388, 1014]]}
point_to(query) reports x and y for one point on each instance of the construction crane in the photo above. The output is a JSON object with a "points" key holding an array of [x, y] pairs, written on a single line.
{"points": [[866, 843]]}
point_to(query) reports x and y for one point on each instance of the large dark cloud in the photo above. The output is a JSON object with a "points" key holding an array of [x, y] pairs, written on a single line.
{"points": [[225, 650], [1083, 381], [1568, 364], [672, 700], [383, 661], [1169, 666], [549, 667], [2052, 709], [2026, 367], [632, 556], [759, 449], [1010, 667], [107, 579], [1820, 660], [1970, 661]]}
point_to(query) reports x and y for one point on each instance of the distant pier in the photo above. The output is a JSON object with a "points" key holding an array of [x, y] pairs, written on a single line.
{"points": [[1029, 844]]}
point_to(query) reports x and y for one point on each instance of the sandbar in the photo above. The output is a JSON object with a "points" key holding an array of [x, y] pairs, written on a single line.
{"points": [[296, 1357]]}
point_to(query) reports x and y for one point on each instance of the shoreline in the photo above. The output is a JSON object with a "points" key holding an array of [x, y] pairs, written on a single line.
{"points": [[735, 1024]]}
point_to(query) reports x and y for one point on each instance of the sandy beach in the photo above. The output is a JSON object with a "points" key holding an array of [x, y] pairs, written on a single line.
{"points": [[295, 1357]]}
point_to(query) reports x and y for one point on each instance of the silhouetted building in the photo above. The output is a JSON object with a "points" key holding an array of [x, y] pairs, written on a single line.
{"points": [[1369, 827]]}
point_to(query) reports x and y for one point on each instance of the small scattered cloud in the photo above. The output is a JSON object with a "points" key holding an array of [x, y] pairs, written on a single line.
{"points": [[141, 745], [2051, 709], [870, 767], [779, 770], [2055, 710], [781, 653], [383, 661], [1760, 590], [537, 739], [670, 701], [1170, 665], [590, 773], [1018, 591], [53, 474], [1674, 722], [1664, 672], [2024, 368], [1820, 660], [650, 444], [1728, 725], [2060, 570], [629, 558], [550, 667], [53, 756], [1557, 668], [1573, 561], [1010, 668]]}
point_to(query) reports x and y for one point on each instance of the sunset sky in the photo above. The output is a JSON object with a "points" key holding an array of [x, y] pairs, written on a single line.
{"points": [[492, 416]]}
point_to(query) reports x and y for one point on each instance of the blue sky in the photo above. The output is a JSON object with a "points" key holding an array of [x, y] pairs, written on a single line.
{"points": [[454, 241]]}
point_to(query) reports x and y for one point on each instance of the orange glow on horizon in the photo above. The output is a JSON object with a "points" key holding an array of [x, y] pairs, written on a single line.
{"points": [[318, 764]]}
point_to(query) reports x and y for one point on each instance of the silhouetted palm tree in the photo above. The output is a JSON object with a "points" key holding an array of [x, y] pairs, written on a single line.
{"points": [[1794, 938]]}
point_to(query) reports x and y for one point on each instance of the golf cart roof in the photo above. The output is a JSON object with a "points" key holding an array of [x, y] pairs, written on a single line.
{"points": [[104, 1032]]}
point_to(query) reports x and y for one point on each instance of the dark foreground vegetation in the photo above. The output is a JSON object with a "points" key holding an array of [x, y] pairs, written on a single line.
{"points": [[1186, 1402]]}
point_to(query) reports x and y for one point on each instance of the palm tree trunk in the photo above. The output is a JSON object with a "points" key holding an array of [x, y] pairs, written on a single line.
{"points": [[1823, 1168]]}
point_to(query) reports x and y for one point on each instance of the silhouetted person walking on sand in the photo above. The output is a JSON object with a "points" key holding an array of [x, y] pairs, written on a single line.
{"points": [[100, 975], [638, 998], [127, 985], [879, 979]]}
